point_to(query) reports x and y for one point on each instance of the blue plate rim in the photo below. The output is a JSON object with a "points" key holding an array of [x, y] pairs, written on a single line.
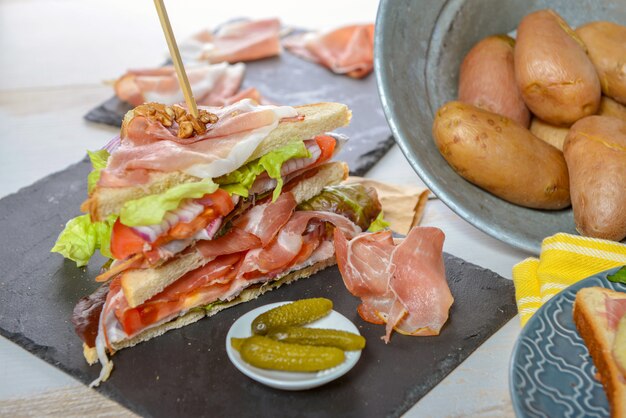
{"points": [[519, 411]]}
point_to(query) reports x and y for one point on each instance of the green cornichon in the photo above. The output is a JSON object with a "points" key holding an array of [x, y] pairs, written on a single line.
{"points": [[266, 353], [343, 340], [292, 314]]}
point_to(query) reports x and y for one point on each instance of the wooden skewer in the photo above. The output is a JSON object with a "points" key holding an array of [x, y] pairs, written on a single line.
{"points": [[175, 54]]}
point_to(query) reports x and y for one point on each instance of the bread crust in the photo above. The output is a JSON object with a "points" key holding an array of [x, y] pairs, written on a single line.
{"points": [[195, 315], [318, 118], [590, 319]]}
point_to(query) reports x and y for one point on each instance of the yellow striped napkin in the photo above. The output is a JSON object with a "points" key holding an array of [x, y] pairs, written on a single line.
{"points": [[564, 260]]}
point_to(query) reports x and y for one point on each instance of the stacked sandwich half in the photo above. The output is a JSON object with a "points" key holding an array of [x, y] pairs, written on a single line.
{"points": [[200, 213]]}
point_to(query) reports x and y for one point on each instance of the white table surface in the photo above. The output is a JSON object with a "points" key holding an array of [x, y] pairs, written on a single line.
{"points": [[54, 60]]}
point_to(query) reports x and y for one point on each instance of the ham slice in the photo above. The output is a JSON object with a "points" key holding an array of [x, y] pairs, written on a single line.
{"points": [[289, 242], [348, 50], [212, 85], [235, 42], [224, 147], [264, 221], [402, 285], [255, 229], [615, 310]]}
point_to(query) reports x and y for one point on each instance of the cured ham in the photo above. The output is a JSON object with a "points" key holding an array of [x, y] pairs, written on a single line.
{"points": [[213, 85], [264, 221], [225, 146], [615, 310], [246, 255], [402, 285], [235, 42], [348, 50]]}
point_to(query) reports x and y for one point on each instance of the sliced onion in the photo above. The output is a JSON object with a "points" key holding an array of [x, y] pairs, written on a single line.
{"points": [[187, 212], [296, 164], [112, 144]]}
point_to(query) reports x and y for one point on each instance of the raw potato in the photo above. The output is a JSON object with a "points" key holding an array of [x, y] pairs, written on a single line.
{"points": [[487, 79], [609, 107], [595, 151], [606, 46], [557, 80], [553, 135], [501, 156]]}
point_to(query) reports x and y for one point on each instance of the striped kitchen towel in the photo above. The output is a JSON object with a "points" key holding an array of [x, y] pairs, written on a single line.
{"points": [[564, 260]]}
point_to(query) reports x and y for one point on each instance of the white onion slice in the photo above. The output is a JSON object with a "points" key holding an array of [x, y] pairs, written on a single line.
{"points": [[296, 164], [187, 212]]}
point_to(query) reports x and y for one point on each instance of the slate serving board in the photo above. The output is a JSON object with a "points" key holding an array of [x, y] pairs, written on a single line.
{"points": [[186, 372], [287, 79]]}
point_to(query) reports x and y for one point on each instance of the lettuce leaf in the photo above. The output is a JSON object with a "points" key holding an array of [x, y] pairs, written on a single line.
{"points": [[150, 210], [241, 180], [379, 223], [98, 162], [354, 201], [619, 276], [81, 238]]}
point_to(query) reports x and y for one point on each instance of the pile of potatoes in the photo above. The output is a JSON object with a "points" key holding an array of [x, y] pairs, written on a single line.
{"points": [[540, 121]]}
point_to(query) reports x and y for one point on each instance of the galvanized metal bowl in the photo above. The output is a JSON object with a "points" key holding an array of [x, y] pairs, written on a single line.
{"points": [[418, 51]]}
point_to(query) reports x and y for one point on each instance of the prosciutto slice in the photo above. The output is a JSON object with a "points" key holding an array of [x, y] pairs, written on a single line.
{"points": [[347, 50], [615, 310], [402, 285], [235, 42], [212, 85], [255, 229], [290, 241], [148, 145]]}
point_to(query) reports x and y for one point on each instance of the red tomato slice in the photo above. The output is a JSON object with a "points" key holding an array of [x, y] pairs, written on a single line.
{"points": [[222, 202], [125, 241], [327, 145]]}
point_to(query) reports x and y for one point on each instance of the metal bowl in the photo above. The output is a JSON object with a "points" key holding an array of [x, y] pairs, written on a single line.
{"points": [[419, 47]]}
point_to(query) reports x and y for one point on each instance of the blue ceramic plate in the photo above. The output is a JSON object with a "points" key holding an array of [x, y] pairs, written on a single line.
{"points": [[552, 374]]}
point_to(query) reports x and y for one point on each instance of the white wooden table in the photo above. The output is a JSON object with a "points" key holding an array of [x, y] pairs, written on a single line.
{"points": [[54, 59]]}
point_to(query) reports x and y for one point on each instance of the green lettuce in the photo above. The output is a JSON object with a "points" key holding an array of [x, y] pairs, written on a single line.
{"points": [[619, 276], [241, 180], [150, 210], [81, 238], [379, 223], [354, 201], [98, 162]]}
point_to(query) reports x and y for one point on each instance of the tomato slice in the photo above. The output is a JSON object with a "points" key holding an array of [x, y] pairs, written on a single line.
{"points": [[222, 203], [125, 241], [327, 145]]}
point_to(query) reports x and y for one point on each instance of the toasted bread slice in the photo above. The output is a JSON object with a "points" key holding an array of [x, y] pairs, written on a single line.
{"points": [[141, 284], [590, 317], [318, 118], [197, 314]]}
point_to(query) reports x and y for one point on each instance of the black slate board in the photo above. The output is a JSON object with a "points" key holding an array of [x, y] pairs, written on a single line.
{"points": [[186, 372], [290, 80]]}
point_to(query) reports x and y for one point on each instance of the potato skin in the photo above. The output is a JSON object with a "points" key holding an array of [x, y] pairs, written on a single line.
{"points": [[553, 135], [501, 156], [557, 80], [487, 79], [595, 151], [606, 46], [609, 107]]}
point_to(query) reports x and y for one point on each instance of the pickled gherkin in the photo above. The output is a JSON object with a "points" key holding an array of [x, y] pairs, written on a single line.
{"points": [[266, 353], [343, 340], [292, 314]]}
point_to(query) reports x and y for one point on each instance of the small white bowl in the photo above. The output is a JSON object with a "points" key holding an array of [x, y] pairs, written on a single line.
{"points": [[291, 380]]}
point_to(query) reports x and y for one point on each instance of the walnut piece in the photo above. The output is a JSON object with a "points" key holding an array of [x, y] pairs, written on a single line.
{"points": [[188, 126]]}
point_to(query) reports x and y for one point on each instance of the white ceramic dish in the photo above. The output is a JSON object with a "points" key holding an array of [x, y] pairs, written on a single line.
{"points": [[291, 380]]}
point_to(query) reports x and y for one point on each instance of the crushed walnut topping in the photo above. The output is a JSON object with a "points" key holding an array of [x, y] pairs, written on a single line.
{"points": [[188, 126]]}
